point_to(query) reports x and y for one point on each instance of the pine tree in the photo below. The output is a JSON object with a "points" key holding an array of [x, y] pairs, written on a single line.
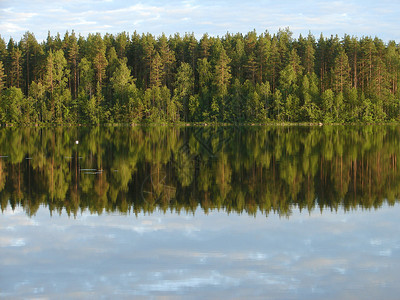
{"points": [[263, 51], [307, 53], [192, 51], [251, 68], [100, 63], [3, 50], [123, 84], [238, 57], [205, 44], [274, 64], [328, 99], [157, 71], [2, 77], [368, 51], [222, 74], [86, 75], [167, 60], [352, 48], [393, 66], [321, 62], [183, 89], [56, 80], [148, 42], [73, 61], [16, 68], [121, 44], [278, 106], [341, 72]]}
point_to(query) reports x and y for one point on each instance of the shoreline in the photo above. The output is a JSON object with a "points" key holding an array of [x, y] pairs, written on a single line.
{"points": [[197, 124]]}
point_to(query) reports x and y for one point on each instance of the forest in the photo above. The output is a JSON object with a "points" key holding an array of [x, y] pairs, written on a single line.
{"points": [[261, 78], [250, 169]]}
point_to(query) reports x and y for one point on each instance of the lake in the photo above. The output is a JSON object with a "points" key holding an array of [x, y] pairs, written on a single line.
{"points": [[268, 212]]}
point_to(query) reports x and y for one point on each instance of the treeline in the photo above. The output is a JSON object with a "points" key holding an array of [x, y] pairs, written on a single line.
{"points": [[235, 78], [246, 169]]}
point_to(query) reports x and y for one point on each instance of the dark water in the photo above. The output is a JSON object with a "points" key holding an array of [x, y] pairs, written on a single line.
{"points": [[200, 212]]}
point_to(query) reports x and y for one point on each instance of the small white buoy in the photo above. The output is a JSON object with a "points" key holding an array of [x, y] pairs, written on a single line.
{"points": [[77, 142]]}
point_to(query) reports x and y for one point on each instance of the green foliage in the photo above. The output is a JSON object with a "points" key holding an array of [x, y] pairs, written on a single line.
{"points": [[236, 78], [12, 100], [328, 98], [183, 90], [125, 95], [56, 79], [2, 77]]}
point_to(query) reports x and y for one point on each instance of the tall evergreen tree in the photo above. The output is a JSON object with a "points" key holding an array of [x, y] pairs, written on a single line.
{"points": [[3, 50], [2, 77], [274, 64], [222, 76], [56, 80], [157, 71], [341, 72], [16, 67], [73, 62], [184, 89], [167, 60]]}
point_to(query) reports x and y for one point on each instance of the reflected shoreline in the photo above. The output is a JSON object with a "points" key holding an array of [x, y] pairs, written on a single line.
{"points": [[294, 210]]}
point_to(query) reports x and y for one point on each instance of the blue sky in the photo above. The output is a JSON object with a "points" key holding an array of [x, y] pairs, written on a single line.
{"points": [[217, 17]]}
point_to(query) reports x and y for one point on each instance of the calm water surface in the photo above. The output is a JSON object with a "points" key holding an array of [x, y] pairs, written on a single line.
{"points": [[200, 212]]}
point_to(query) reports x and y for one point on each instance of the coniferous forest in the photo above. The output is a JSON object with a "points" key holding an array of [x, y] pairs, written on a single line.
{"points": [[133, 78]]}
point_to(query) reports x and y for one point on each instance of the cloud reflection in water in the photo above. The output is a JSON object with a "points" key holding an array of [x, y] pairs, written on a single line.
{"points": [[216, 255]]}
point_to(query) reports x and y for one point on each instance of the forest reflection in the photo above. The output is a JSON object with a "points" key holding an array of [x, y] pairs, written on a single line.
{"points": [[246, 169]]}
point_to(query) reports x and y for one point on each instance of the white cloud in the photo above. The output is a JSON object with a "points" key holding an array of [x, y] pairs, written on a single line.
{"points": [[212, 279], [17, 243], [11, 242], [214, 17], [12, 16]]}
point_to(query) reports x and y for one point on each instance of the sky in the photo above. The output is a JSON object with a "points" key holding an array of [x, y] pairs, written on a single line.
{"points": [[316, 255], [215, 17]]}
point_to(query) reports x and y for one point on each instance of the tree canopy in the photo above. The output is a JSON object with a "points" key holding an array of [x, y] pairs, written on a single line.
{"points": [[133, 78]]}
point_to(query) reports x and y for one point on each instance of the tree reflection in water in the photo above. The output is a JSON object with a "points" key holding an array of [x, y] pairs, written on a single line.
{"points": [[238, 169]]}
